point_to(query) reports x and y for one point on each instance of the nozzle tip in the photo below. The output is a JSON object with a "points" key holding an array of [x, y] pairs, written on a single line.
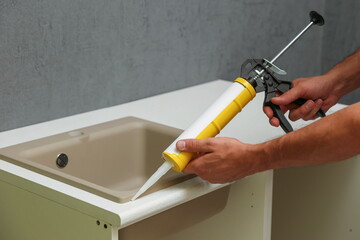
{"points": [[135, 196]]}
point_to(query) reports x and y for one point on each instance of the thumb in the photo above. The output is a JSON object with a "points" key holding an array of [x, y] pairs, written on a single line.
{"points": [[194, 145], [287, 97]]}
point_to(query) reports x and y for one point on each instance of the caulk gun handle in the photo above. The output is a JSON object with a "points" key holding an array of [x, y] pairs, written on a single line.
{"points": [[284, 123]]}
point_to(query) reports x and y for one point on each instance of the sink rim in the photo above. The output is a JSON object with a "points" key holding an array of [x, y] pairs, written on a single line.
{"points": [[75, 181]]}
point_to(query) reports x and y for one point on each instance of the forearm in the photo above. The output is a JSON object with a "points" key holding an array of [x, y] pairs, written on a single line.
{"points": [[334, 138], [345, 76]]}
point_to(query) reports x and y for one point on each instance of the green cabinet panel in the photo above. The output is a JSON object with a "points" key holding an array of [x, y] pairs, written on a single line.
{"points": [[28, 216]]}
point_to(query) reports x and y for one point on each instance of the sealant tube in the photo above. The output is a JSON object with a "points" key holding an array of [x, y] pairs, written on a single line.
{"points": [[212, 121]]}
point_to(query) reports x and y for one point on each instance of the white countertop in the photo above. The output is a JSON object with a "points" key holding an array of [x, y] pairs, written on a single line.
{"points": [[177, 109]]}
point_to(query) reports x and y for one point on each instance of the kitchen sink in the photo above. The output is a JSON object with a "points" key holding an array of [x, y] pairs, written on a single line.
{"points": [[112, 159]]}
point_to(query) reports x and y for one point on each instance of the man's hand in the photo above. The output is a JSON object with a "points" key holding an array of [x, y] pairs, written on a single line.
{"points": [[221, 160], [320, 91], [324, 91]]}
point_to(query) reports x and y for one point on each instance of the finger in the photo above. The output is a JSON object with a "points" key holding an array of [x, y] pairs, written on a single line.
{"points": [[274, 122], [268, 112], [302, 111], [193, 166], [287, 97], [312, 114], [189, 169], [290, 106], [198, 154], [195, 145]]}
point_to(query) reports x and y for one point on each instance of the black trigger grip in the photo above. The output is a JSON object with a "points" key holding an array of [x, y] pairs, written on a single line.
{"points": [[284, 123]]}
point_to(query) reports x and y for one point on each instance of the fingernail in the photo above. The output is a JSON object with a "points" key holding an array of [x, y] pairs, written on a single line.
{"points": [[181, 145], [319, 102], [309, 105]]}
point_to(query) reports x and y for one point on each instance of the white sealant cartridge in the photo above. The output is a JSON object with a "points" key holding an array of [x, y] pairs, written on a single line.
{"points": [[212, 121]]}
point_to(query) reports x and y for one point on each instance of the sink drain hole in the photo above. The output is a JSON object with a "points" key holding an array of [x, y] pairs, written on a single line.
{"points": [[62, 160]]}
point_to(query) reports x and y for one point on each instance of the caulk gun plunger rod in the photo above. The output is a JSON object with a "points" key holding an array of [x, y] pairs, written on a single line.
{"points": [[315, 18], [292, 42]]}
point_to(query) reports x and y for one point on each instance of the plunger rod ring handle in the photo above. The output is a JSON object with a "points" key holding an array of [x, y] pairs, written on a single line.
{"points": [[316, 18]]}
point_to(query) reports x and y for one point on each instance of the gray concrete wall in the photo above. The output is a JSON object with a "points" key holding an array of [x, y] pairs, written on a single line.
{"points": [[341, 36], [59, 58]]}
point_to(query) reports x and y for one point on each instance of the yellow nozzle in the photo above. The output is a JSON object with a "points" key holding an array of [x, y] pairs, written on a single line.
{"points": [[179, 160]]}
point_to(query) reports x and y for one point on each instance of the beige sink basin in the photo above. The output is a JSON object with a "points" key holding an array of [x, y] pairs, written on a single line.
{"points": [[111, 159]]}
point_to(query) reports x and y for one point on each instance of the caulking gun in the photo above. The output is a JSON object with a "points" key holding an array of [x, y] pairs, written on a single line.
{"points": [[257, 75]]}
